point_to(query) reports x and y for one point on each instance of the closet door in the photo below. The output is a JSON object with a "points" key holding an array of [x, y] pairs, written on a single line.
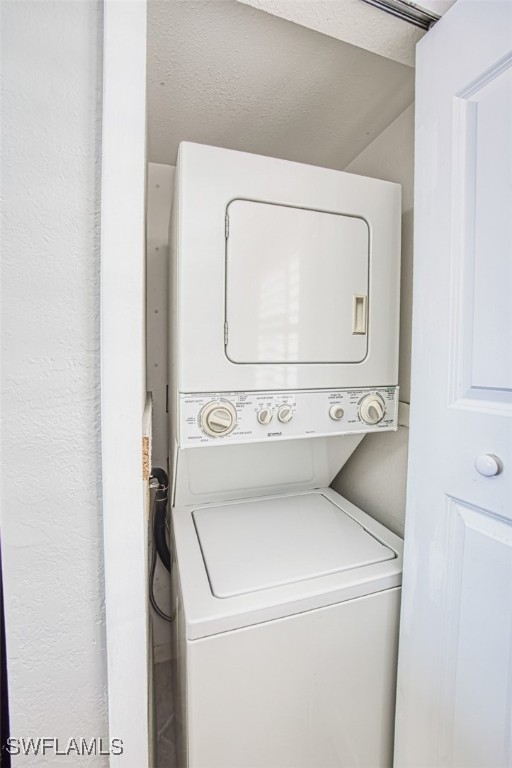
{"points": [[455, 682]]}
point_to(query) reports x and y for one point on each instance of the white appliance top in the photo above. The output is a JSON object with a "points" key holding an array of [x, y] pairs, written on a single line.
{"points": [[266, 543], [245, 562]]}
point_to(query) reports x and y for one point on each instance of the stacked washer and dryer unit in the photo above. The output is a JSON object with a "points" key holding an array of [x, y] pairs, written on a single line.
{"points": [[284, 322]]}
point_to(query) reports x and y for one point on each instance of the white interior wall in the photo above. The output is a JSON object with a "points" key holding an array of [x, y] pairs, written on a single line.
{"points": [[375, 476], [51, 524]]}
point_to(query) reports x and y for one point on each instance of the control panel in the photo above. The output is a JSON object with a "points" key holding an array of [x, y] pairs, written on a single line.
{"points": [[255, 416]]}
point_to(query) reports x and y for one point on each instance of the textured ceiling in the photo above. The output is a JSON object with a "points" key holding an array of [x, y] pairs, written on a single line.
{"points": [[225, 74], [353, 22]]}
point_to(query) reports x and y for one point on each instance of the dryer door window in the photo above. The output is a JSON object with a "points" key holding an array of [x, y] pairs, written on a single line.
{"points": [[296, 285]]}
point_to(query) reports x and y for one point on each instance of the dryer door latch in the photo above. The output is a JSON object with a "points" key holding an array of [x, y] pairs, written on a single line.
{"points": [[359, 314]]}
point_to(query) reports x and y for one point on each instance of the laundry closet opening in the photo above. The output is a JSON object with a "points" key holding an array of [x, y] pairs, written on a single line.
{"points": [[228, 75]]}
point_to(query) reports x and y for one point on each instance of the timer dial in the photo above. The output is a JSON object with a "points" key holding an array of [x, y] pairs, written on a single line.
{"points": [[218, 418], [372, 409]]}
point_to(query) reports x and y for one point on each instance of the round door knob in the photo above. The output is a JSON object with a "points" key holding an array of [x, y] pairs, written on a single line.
{"points": [[336, 412], [285, 413], [372, 409], [218, 418], [265, 416], [488, 465]]}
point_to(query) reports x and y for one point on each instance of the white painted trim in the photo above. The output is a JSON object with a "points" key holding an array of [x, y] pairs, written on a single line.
{"points": [[123, 387]]}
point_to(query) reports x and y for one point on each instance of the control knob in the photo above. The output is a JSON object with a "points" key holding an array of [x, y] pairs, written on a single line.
{"points": [[285, 413], [218, 418], [265, 416], [372, 409], [336, 412]]}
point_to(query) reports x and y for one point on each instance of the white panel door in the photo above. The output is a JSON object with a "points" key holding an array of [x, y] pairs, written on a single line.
{"points": [[455, 668], [296, 285]]}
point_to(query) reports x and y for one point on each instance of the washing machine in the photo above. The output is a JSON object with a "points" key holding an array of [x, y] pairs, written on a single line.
{"points": [[287, 617], [284, 355]]}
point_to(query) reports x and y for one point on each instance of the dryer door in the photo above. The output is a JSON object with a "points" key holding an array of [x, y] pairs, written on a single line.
{"points": [[296, 285]]}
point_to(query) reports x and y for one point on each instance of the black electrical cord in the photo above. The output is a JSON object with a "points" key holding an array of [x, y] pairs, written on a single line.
{"points": [[160, 545], [160, 515]]}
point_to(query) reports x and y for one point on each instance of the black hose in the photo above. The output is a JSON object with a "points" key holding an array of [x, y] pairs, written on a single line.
{"points": [[159, 519]]}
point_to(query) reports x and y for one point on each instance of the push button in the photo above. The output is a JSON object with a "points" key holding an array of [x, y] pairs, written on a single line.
{"points": [[336, 412]]}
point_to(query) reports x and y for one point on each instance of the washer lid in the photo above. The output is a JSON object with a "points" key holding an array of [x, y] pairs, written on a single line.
{"points": [[254, 545]]}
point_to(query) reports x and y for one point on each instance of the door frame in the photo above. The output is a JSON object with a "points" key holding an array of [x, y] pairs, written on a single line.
{"points": [[123, 374]]}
